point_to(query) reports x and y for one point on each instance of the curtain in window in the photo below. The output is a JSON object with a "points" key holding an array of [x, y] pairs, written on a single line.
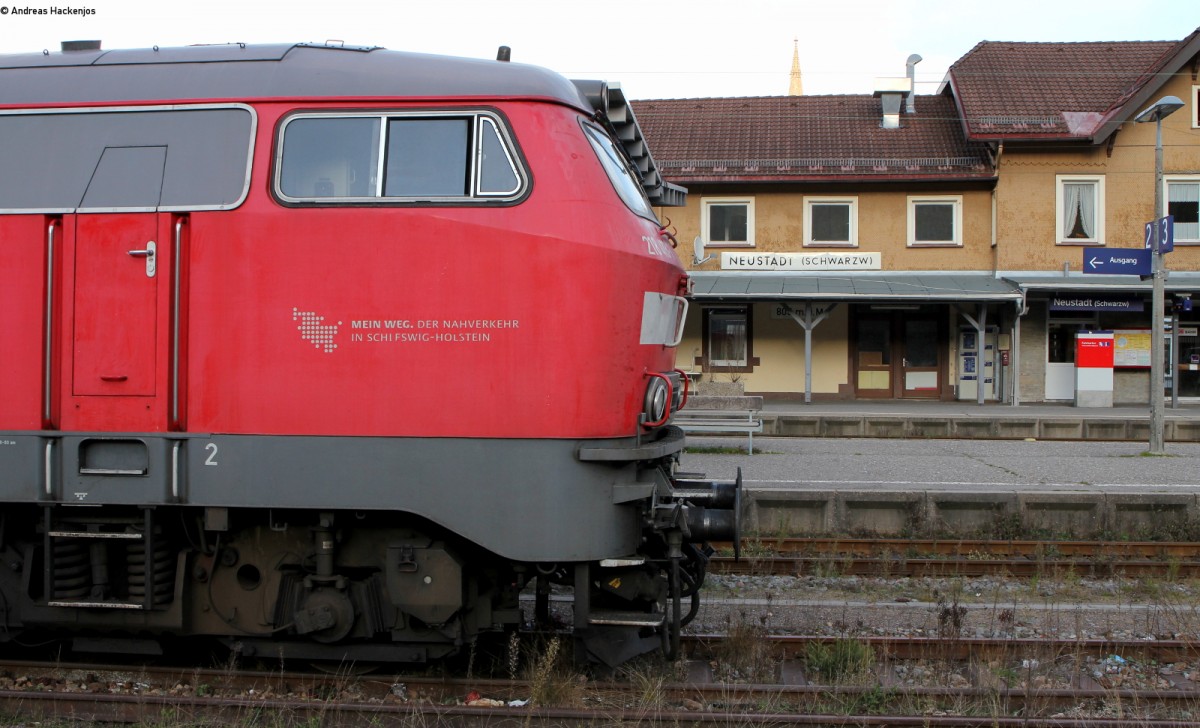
{"points": [[1079, 210], [1183, 201], [727, 338]]}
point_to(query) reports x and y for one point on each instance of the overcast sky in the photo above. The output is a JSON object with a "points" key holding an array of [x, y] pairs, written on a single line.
{"points": [[680, 49]]}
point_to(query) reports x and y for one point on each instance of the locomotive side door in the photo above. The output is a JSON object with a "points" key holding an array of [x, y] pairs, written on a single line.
{"points": [[116, 289]]}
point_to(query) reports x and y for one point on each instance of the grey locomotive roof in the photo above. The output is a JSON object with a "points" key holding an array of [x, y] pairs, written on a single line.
{"points": [[248, 72]]}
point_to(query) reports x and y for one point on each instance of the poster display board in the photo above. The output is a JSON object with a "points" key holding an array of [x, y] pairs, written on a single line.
{"points": [[1131, 348]]}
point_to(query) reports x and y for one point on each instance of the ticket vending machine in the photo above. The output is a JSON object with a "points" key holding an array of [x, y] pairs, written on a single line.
{"points": [[978, 361]]}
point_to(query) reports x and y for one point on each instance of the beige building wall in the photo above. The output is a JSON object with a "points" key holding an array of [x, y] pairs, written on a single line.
{"points": [[1025, 193], [779, 345], [882, 228]]}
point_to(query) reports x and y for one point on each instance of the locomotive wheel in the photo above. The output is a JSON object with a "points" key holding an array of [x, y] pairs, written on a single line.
{"points": [[326, 616]]}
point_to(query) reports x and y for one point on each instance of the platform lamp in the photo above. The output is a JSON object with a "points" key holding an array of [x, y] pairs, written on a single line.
{"points": [[1165, 106]]}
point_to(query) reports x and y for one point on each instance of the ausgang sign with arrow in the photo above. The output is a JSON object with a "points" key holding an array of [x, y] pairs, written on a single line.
{"points": [[1120, 261]]}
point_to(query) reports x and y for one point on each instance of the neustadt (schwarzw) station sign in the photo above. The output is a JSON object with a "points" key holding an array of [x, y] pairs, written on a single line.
{"points": [[801, 261], [1095, 303]]}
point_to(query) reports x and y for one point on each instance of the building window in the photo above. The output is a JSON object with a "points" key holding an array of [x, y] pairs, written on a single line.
{"points": [[935, 221], [1183, 202], [727, 221], [1080, 210], [728, 345], [831, 221]]}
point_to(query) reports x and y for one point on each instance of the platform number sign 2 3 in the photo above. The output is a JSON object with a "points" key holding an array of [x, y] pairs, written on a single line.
{"points": [[1164, 229]]}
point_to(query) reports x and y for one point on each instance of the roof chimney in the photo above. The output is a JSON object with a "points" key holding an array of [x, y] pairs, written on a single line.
{"points": [[892, 92], [911, 71], [80, 45]]}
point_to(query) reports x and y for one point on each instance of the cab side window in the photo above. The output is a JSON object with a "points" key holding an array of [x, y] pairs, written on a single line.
{"points": [[446, 158]]}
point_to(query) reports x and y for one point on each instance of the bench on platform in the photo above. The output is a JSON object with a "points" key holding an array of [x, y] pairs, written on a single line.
{"points": [[718, 421]]}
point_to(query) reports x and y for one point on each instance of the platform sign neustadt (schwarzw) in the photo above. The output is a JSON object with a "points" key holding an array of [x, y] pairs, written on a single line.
{"points": [[1120, 261]]}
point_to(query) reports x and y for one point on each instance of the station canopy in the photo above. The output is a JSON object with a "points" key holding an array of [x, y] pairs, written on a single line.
{"points": [[853, 287]]}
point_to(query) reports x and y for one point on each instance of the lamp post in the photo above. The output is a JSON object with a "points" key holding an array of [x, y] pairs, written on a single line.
{"points": [[1165, 106]]}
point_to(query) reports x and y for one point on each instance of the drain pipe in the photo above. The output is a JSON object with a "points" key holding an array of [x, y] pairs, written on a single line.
{"points": [[1022, 309]]}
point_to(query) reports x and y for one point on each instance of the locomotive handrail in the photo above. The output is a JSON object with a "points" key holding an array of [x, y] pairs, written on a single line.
{"points": [[681, 320], [47, 393], [687, 387], [176, 251]]}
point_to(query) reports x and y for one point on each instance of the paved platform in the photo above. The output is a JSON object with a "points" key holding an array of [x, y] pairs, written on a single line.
{"points": [[963, 420], [959, 488]]}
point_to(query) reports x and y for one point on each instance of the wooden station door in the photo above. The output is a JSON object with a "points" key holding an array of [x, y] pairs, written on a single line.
{"points": [[898, 353]]}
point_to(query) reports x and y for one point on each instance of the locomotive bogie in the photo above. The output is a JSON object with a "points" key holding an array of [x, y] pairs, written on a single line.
{"points": [[323, 577]]}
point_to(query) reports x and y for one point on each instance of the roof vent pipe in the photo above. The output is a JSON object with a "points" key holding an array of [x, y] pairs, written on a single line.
{"points": [[80, 45], [911, 71]]}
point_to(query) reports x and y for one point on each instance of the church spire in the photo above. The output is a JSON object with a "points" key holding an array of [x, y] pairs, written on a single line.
{"points": [[796, 86]]}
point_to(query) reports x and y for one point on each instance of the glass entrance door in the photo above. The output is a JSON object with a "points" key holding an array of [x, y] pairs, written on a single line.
{"points": [[921, 360], [1187, 360]]}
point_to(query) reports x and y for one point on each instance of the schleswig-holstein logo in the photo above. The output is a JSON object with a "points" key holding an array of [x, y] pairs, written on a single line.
{"points": [[312, 328]]}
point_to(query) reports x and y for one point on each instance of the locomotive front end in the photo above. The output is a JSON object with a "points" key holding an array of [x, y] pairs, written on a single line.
{"points": [[635, 602]]}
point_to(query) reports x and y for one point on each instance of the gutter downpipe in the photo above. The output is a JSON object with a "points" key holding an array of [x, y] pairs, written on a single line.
{"points": [[1022, 305], [1022, 309]]}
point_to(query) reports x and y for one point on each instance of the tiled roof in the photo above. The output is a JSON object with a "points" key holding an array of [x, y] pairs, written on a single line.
{"points": [[797, 138], [1052, 90]]}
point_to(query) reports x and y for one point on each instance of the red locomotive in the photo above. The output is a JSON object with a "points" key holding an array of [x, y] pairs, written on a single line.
{"points": [[330, 352]]}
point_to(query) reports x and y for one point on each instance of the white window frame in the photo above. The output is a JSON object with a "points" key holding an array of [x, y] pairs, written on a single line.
{"points": [[1196, 107], [738, 364], [1176, 179], [957, 238], [707, 202], [849, 202], [1060, 220]]}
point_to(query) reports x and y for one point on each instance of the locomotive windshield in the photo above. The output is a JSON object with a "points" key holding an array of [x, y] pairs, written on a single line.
{"points": [[402, 158], [623, 178]]}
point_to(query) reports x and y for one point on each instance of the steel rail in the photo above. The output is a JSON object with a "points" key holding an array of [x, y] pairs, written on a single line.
{"points": [[997, 548], [1006, 700], [898, 566], [142, 708], [962, 648]]}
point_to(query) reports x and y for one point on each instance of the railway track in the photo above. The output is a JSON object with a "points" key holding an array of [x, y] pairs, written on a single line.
{"points": [[157, 695], [900, 566], [961, 557], [964, 648], [983, 548], [119, 709], [126, 709]]}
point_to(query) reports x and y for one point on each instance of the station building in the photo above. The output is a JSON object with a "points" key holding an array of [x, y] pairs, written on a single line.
{"points": [[896, 245]]}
